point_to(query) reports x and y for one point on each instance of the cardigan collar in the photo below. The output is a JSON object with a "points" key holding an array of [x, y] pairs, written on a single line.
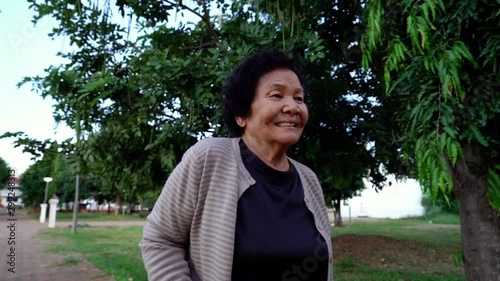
{"points": [[245, 179]]}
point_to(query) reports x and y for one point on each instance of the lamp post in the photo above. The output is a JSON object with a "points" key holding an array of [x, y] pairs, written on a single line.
{"points": [[43, 206], [47, 180]]}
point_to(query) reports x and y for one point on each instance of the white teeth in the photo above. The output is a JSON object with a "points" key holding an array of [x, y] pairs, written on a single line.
{"points": [[283, 124]]}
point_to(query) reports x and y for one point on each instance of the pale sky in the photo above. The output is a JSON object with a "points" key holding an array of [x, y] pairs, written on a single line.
{"points": [[399, 200], [25, 50]]}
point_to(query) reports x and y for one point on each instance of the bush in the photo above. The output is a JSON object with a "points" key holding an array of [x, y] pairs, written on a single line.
{"points": [[431, 212], [440, 205]]}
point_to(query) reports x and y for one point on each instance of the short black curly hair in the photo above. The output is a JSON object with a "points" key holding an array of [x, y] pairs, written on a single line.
{"points": [[239, 88]]}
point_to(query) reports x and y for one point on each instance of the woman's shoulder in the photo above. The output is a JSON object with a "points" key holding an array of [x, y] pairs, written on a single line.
{"points": [[213, 143], [212, 146]]}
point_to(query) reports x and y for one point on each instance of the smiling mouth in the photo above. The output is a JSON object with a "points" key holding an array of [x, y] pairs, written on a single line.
{"points": [[285, 124]]}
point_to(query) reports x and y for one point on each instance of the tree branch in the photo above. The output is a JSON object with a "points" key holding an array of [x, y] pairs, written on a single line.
{"points": [[205, 18], [211, 43]]}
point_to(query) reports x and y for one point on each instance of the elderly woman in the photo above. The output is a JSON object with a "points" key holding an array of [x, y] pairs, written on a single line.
{"points": [[238, 208]]}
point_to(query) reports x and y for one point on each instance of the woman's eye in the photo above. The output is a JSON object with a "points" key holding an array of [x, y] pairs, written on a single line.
{"points": [[299, 99], [276, 95]]}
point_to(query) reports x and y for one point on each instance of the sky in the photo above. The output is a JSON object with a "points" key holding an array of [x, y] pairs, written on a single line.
{"points": [[25, 50], [399, 200]]}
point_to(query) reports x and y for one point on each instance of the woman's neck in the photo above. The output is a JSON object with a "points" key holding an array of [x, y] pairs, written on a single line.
{"points": [[273, 155]]}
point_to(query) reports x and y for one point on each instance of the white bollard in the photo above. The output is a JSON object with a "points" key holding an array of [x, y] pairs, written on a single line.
{"points": [[43, 212], [52, 212]]}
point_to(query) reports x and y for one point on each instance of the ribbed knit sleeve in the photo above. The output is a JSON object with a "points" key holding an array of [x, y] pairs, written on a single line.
{"points": [[164, 244]]}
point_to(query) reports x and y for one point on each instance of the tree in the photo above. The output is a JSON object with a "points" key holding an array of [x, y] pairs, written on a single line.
{"points": [[346, 116], [440, 66], [52, 159], [112, 92], [46, 164], [345, 110], [33, 185], [63, 184], [61, 167], [141, 103], [4, 172]]}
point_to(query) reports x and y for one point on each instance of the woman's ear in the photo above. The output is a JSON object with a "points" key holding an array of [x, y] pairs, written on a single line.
{"points": [[242, 122]]}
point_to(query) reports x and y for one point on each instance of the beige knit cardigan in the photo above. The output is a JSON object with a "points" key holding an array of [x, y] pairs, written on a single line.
{"points": [[189, 235]]}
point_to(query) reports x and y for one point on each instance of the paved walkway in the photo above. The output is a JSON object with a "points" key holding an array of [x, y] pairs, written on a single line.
{"points": [[28, 259]]}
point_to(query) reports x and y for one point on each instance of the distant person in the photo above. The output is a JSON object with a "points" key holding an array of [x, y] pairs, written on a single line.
{"points": [[238, 208]]}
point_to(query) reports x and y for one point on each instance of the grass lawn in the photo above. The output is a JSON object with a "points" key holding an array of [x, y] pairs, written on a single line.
{"points": [[401, 250], [379, 250], [444, 229], [114, 250], [82, 217]]}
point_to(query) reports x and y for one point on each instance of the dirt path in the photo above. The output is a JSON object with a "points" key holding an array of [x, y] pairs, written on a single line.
{"points": [[28, 259]]}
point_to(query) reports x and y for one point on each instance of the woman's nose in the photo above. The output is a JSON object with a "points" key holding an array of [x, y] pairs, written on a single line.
{"points": [[291, 106]]}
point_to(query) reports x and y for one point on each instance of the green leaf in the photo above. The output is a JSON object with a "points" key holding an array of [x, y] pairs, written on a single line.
{"points": [[387, 78], [460, 48], [432, 7], [441, 4], [452, 132], [453, 151], [411, 29], [443, 141], [92, 86], [425, 10], [478, 135], [435, 179], [423, 30], [494, 188]]}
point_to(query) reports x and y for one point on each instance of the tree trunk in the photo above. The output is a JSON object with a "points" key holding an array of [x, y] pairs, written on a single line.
{"points": [[337, 216], [32, 209], [480, 223], [118, 203]]}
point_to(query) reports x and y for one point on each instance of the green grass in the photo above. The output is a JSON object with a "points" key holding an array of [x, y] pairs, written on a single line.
{"points": [[442, 236], [114, 250], [350, 271], [442, 231], [70, 261], [82, 217], [445, 218]]}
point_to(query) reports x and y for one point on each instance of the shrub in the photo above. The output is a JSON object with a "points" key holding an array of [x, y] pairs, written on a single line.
{"points": [[440, 205]]}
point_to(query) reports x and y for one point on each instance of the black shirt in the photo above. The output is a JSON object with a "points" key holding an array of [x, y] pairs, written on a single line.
{"points": [[276, 238]]}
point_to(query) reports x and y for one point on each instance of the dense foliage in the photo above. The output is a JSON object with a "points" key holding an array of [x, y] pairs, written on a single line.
{"points": [[57, 160], [4, 173], [440, 67], [140, 95], [445, 76]]}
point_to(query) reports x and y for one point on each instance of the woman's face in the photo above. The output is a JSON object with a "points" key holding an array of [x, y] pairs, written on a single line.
{"points": [[278, 113]]}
